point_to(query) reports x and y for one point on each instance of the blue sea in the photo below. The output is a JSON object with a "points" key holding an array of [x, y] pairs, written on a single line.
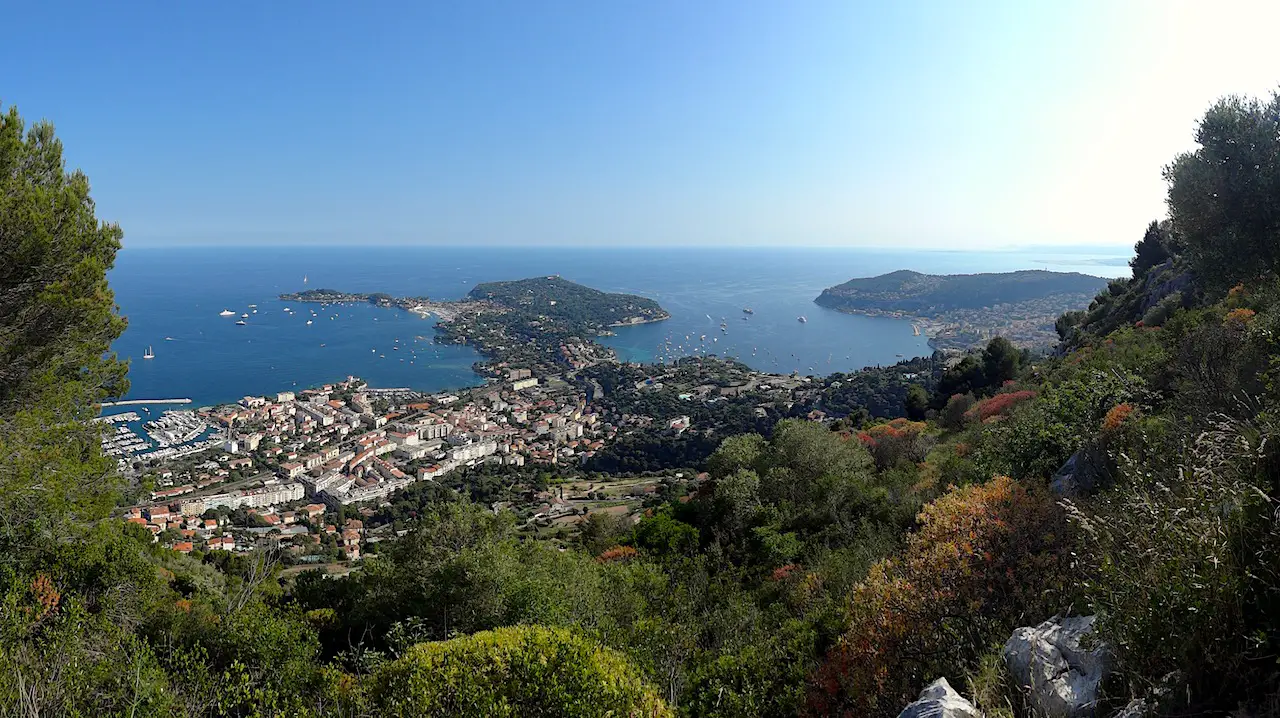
{"points": [[172, 299]]}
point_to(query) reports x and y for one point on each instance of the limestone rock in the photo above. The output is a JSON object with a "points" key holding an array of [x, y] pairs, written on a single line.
{"points": [[1081, 474], [1060, 675], [939, 700]]}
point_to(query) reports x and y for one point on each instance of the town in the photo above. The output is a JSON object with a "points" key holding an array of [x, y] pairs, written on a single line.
{"points": [[316, 474], [302, 472]]}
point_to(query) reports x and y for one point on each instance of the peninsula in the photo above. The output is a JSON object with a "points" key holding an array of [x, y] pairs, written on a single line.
{"points": [[541, 326], [963, 311]]}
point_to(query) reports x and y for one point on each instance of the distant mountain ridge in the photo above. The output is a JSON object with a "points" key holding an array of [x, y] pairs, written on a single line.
{"points": [[911, 292]]}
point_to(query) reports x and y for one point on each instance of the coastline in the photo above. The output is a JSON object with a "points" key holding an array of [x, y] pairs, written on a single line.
{"points": [[637, 321]]}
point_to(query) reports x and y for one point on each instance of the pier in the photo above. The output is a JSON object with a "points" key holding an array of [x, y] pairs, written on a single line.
{"points": [[131, 402]]}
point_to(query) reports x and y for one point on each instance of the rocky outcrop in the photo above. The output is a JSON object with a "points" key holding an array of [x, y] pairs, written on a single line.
{"points": [[1060, 674], [940, 700], [1084, 472], [1163, 281]]}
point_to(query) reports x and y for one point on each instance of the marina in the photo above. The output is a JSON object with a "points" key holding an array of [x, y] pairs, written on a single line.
{"points": [[175, 427]]}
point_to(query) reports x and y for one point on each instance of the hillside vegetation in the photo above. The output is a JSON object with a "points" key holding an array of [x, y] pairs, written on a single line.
{"points": [[582, 308], [826, 569], [933, 294]]}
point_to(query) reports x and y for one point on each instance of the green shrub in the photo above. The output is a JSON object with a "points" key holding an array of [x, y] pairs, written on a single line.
{"points": [[1186, 565], [520, 671], [1160, 313]]}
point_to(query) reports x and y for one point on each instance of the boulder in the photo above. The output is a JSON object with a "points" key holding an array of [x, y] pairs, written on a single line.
{"points": [[1060, 675], [940, 700], [1080, 475]]}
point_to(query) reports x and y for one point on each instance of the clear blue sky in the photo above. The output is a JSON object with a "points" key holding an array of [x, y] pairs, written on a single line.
{"points": [[931, 124]]}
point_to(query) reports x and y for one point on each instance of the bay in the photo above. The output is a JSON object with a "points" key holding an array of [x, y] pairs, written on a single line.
{"points": [[173, 296]]}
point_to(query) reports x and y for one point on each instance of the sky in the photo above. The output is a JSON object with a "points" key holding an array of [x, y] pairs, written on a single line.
{"points": [[920, 123]]}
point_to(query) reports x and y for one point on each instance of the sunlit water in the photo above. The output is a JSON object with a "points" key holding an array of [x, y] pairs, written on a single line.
{"points": [[172, 298]]}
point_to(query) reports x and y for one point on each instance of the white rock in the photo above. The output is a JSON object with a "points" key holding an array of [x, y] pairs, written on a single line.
{"points": [[1137, 708], [1061, 677], [939, 700]]}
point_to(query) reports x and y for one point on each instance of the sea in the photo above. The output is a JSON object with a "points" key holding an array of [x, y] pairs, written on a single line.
{"points": [[173, 299]]}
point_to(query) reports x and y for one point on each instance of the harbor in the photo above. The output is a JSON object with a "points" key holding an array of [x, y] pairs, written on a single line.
{"points": [[136, 402]]}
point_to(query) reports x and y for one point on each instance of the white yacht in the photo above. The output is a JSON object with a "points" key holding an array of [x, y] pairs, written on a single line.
{"points": [[226, 313], [150, 354]]}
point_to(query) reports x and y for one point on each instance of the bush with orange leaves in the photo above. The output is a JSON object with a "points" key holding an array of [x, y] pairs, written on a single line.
{"points": [[46, 596], [897, 440], [986, 559], [998, 406], [618, 553], [782, 573], [1239, 317], [1116, 417]]}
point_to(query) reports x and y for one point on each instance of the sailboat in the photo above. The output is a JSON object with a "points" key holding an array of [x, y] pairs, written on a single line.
{"points": [[304, 279], [150, 354]]}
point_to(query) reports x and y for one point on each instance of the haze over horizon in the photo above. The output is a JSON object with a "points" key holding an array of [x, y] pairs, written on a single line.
{"points": [[920, 124]]}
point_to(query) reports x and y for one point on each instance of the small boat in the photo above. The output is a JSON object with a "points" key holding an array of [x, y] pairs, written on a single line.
{"points": [[748, 310], [244, 316], [240, 323], [168, 339], [253, 306], [226, 313], [802, 320], [150, 354], [308, 321]]}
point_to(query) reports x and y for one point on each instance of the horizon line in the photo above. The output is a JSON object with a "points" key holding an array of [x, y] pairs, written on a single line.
{"points": [[1125, 247]]}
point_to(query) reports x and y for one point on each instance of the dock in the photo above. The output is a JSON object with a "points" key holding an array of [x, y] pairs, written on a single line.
{"points": [[132, 402]]}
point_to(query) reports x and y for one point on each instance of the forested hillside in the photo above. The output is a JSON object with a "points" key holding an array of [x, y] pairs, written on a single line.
{"points": [[832, 568], [579, 307], [931, 294]]}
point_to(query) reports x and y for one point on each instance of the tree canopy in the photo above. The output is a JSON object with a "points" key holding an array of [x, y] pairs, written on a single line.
{"points": [[1224, 197], [57, 321]]}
